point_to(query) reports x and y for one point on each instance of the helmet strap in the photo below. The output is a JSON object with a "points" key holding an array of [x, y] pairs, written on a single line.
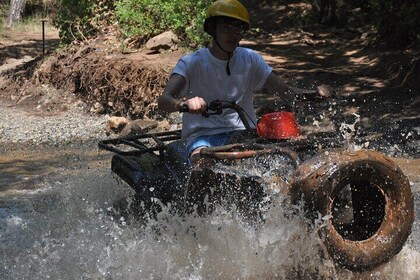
{"points": [[227, 64], [229, 56]]}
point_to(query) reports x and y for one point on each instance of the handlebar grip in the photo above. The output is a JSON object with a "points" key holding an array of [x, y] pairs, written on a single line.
{"points": [[184, 108]]}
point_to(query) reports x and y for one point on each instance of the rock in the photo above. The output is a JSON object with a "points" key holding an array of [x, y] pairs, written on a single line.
{"points": [[162, 126], [115, 125], [166, 40], [326, 91], [97, 108], [138, 127], [175, 118]]}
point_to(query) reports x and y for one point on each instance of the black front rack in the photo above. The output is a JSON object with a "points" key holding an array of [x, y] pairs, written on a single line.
{"points": [[140, 144]]}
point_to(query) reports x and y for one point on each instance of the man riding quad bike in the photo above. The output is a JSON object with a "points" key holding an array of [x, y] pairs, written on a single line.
{"points": [[222, 71], [224, 155]]}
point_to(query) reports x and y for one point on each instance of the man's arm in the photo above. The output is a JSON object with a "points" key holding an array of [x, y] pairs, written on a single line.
{"points": [[276, 85], [169, 100]]}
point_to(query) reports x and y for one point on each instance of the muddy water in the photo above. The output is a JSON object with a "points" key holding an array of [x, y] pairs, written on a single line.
{"points": [[63, 215]]}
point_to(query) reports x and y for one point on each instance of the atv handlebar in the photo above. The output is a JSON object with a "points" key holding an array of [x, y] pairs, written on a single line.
{"points": [[217, 106]]}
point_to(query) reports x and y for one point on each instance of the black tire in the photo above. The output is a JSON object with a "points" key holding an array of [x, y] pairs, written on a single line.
{"points": [[381, 201]]}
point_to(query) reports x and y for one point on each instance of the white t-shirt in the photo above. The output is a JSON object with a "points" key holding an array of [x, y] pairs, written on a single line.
{"points": [[206, 77]]}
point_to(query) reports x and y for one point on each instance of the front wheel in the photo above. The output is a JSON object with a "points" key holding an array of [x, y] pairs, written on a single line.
{"points": [[367, 199]]}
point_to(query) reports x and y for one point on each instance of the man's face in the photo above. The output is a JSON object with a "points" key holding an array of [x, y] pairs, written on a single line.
{"points": [[229, 34]]}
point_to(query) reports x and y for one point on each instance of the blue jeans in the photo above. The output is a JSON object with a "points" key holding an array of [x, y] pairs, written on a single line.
{"points": [[210, 141]]}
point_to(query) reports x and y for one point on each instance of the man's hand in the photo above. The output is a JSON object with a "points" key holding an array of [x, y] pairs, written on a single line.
{"points": [[196, 105], [325, 91]]}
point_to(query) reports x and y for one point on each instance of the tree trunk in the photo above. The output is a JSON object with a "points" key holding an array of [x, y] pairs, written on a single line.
{"points": [[15, 12], [325, 11]]}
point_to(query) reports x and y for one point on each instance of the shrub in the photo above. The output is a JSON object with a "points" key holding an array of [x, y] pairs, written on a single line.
{"points": [[79, 19], [147, 18]]}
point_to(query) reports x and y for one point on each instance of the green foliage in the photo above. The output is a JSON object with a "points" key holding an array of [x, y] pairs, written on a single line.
{"points": [[147, 18], [3, 12], [396, 20], [79, 19], [4, 9], [73, 19], [38, 7]]}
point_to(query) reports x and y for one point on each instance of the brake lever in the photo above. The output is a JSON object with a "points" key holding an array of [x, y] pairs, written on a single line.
{"points": [[216, 106], [184, 108]]}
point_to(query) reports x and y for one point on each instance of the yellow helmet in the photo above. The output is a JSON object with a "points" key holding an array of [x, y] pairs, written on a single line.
{"points": [[226, 8]]}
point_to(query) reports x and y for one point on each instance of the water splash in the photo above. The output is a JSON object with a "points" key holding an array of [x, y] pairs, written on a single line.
{"points": [[77, 230], [349, 131]]}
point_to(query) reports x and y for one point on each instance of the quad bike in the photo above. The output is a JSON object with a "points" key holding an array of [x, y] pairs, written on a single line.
{"points": [[363, 195]]}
